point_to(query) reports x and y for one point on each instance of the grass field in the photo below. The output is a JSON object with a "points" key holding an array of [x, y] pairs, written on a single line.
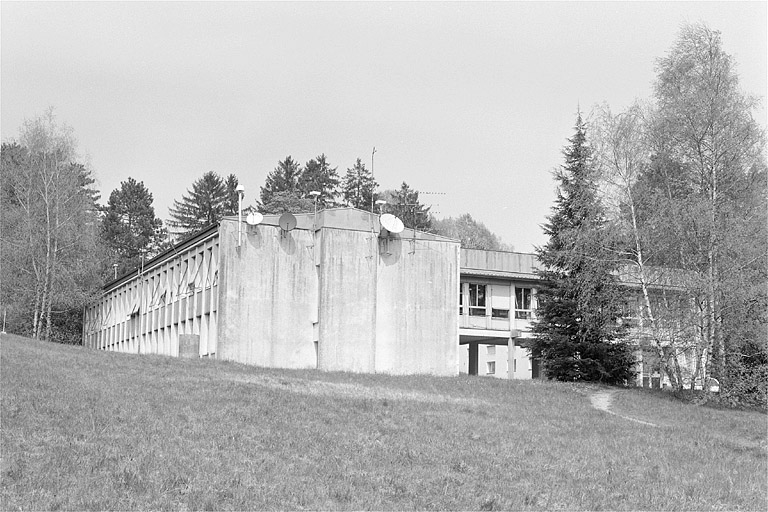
{"points": [[89, 430]]}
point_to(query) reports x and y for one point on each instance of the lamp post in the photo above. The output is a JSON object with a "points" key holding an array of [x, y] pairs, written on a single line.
{"points": [[240, 194]]}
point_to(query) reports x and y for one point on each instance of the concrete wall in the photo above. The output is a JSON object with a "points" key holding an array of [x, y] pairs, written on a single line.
{"points": [[386, 304], [339, 297], [417, 307], [513, 262], [269, 296], [347, 317]]}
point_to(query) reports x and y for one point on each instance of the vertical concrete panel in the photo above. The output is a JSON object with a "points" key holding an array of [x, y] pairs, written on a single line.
{"points": [[416, 316], [347, 303], [266, 299]]}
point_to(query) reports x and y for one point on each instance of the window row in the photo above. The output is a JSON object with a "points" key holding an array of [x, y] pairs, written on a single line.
{"points": [[477, 299]]}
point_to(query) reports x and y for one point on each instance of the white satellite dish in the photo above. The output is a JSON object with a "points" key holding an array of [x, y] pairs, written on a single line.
{"points": [[391, 223], [254, 219], [287, 221]]}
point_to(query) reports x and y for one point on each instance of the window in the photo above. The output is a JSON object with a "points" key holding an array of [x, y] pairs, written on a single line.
{"points": [[523, 303], [476, 299], [461, 300], [500, 313], [491, 350], [491, 367]]}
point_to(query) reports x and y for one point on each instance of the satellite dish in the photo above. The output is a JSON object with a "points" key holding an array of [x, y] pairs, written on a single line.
{"points": [[391, 223], [254, 218], [287, 221]]}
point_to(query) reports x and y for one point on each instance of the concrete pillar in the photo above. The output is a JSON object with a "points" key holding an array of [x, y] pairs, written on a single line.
{"points": [[473, 358], [511, 355]]}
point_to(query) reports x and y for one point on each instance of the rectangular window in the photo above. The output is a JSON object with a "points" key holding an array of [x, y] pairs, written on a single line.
{"points": [[476, 299], [491, 350], [461, 299], [523, 303], [491, 367], [500, 313]]}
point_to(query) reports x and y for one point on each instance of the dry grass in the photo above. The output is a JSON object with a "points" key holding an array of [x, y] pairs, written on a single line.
{"points": [[96, 431]]}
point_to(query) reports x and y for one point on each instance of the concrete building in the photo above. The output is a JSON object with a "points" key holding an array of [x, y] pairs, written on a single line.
{"points": [[335, 293], [497, 303], [338, 292]]}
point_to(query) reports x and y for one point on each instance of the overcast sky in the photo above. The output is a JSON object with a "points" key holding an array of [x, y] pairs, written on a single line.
{"points": [[471, 100]]}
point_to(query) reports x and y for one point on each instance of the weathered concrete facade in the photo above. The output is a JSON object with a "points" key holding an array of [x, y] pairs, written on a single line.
{"points": [[330, 294], [147, 311]]}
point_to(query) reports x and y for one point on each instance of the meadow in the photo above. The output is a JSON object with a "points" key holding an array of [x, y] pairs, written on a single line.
{"points": [[89, 430]]}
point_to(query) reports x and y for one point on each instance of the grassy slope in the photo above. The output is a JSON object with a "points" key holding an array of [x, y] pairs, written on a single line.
{"points": [[94, 430]]}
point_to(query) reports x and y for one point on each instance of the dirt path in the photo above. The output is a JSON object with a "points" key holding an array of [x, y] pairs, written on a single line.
{"points": [[602, 402]]}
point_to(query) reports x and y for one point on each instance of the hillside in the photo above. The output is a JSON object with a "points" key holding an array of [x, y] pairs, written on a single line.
{"points": [[91, 430]]}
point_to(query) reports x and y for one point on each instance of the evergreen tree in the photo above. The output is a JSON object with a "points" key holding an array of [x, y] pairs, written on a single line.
{"points": [[358, 187], [577, 335], [404, 203], [285, 178], [319, 176], [232, 203], [202, 206], [130, 228]]}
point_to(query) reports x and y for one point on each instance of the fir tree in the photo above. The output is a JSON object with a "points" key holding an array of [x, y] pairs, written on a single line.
{"points": [[285, 178], [233, 200], [202, 206], [130, 228], [404, 203], [358, 187], [319, 176], [577, 335]]}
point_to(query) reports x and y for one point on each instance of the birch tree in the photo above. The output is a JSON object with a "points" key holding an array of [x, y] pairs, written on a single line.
{"points": [[704, 122], [51, 219]]}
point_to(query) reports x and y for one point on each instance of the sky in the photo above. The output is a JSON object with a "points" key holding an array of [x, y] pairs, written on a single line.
{"points": [[469, 103]]}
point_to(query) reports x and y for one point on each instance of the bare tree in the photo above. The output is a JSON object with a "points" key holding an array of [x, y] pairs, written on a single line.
{"points": [[52, 216]]}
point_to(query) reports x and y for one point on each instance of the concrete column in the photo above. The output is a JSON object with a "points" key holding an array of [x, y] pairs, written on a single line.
{"points": [[511, 355], [473, 358]]}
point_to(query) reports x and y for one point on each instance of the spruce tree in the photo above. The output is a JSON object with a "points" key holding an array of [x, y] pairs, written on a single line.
{"points": [[202, 206], [285, 178], [130, 228], [577, 335], [319, 176], [232, 202], [358, 186], [404, 203]]}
